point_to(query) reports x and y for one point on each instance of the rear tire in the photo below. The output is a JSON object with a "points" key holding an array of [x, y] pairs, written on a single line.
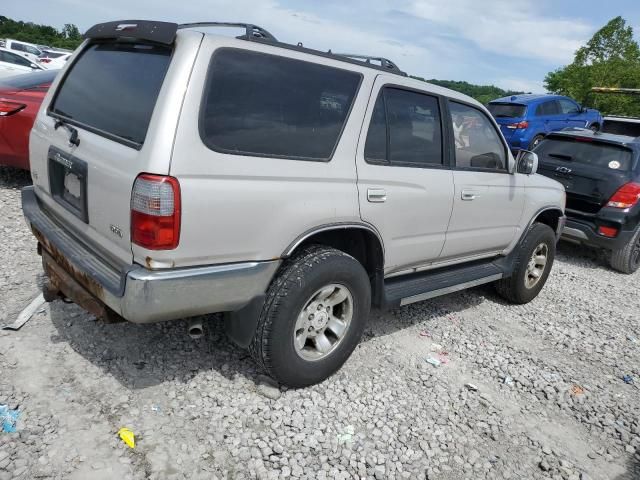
{"points": [[535, 141], [320, 292], [531, 270], [627, 259]]}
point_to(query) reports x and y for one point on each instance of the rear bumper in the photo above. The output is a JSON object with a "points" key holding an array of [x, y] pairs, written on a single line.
{"points": [[134, 292], [586, 232]]}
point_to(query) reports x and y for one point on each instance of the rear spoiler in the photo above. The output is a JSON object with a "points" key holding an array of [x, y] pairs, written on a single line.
{"points": [[150, 31]]}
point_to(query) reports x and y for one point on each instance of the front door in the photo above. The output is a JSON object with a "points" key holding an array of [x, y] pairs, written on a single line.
{"points": [[488, 201], [404, 181]]}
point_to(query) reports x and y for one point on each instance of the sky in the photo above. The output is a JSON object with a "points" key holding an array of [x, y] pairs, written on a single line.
{"points": [[512, 44]]}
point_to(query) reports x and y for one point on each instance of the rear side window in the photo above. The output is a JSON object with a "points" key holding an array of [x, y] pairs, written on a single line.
{"points": [[507, 110], [596, 154], [265, 105], [405, 129], [112, 90], [551, 107]]}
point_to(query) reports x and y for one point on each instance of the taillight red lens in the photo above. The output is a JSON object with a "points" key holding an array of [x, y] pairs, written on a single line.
{"points": [[155, 212], [626, 196], [9, 108], [520, 125], [45, 60], [608, 231]]}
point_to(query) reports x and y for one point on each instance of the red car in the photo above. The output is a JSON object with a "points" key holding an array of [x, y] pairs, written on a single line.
{"points": [[20, 99]]}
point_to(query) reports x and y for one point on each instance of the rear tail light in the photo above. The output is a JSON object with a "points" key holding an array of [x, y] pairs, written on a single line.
{"points": [[520, 125], [44, 60], [608, 231], [9, 108], [155, 212], [626, 197]]}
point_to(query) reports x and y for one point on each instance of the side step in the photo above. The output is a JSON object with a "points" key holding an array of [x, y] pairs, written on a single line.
{"points": [[424, 285]]}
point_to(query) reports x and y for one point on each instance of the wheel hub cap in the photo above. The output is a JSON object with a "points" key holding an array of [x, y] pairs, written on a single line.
{"points": [[323, 322], [536, 266]]}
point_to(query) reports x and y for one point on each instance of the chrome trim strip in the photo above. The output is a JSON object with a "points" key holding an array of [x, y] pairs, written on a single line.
{"points": [[574, 233], [451, 289]]}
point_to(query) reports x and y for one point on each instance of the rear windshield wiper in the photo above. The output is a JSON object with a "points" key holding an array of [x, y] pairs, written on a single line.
{"points": [[561, 156], [73, 139]]}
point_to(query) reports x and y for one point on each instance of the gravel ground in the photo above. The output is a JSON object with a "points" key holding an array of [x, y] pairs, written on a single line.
{"points": [[550, 400]]}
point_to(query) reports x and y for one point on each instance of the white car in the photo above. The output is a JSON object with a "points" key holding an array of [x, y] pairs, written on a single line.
{"points": [[52, 60], [13, 64], [25, 49]]}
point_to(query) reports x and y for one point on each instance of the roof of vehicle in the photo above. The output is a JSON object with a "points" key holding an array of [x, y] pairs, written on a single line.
{"points": [[600, 136], [527, 98]]}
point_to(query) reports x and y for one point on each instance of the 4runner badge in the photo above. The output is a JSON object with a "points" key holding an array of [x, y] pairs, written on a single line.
{"points": [[126, 26]]}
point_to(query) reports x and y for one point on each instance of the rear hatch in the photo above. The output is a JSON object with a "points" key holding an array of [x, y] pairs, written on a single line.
{"points": [[111, 116], [590, 170], [508, 114]]}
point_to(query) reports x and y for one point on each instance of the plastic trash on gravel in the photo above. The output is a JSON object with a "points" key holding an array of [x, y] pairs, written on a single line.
{"points": [[8, 419], [127, 437]]}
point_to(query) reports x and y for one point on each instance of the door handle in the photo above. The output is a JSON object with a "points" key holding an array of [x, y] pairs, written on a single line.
{"points": [[376, 195], [469, 195]]}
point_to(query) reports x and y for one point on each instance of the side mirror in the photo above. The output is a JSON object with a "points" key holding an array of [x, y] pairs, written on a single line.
{"points": [[527, 162]]}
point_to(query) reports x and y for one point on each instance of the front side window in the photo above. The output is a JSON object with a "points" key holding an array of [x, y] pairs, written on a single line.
{"points": [[477, 142], [405, 129], [568, 107], [265, 105]]}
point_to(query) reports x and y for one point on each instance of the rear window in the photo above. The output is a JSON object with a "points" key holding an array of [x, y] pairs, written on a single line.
{"points": [[509, 110], [112, 89], [28, 81], [592, 153], [266, 105]]}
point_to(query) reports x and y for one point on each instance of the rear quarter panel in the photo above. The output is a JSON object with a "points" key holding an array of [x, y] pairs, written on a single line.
{"points": [[240, 208]]}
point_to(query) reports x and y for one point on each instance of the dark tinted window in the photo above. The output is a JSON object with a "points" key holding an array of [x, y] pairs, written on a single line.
{"points": [[28, 81], [551, 107], [113, 88], [266, 105], [478, 144], [585, 152], [509, 110], [15, 59], [412, 128]]}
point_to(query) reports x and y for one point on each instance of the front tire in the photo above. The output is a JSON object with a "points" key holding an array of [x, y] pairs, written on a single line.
{"points": [[313, 317], [532, 266], [627, 259]]}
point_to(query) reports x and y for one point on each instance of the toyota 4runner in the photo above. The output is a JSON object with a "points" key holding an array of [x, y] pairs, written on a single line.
{"points": [[177, 173]]}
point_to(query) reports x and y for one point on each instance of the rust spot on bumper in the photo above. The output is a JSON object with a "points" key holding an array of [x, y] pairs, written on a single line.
{"points": [[80, 277]]}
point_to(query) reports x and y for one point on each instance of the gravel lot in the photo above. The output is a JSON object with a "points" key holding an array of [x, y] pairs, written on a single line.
{"points": [[550, 399]]}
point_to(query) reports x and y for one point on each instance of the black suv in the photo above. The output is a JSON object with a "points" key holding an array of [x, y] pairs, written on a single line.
{"points": [[601, 174]]}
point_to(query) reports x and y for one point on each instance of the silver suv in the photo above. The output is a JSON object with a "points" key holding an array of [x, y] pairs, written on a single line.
{"points": [[178, 172]]}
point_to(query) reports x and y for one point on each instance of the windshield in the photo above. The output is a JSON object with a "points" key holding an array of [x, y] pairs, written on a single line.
{"points": [[28, 81], [509, 110], [112, 89], [586, 152]]}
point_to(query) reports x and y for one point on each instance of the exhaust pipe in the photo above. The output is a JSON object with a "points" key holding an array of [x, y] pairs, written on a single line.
{"points": [[195, 329]]}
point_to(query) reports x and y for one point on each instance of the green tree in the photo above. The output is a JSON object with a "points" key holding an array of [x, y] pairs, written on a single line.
{"points": [[69, 37], [483, 93], [611, 58]]}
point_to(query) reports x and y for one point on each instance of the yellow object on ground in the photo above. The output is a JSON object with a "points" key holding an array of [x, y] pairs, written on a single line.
{"points": [[127, 437]]}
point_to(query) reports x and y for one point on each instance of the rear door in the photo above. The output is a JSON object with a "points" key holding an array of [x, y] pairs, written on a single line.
{"points": [[590, 171], [404, 181], [488, 201], [108, 96]]}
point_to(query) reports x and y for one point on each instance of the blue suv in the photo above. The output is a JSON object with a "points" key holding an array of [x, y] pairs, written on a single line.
{"points": [[526, 119]]}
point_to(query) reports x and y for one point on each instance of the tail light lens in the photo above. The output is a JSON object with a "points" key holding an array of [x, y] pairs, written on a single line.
{"points": [[45, 60], [520, 125], [9, 108], [155, 212], [626, 197], [608, 231]]}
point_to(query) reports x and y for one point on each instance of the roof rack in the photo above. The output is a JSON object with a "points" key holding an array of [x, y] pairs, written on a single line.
{"points": [[251, 31], [385, 63]]}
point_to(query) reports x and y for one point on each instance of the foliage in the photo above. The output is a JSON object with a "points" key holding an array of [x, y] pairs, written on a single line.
{"points": [[69, 37], [611, 58], [483, 93]]}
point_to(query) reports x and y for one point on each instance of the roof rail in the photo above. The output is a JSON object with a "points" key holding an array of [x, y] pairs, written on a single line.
{"points": [[385, 63], [251, 31]]}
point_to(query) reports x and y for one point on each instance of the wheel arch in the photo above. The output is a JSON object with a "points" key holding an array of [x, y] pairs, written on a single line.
{"points": [[361, 241]]}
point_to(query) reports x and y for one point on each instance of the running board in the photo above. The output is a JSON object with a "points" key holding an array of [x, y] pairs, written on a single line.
{"points": [[425, 285]]}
